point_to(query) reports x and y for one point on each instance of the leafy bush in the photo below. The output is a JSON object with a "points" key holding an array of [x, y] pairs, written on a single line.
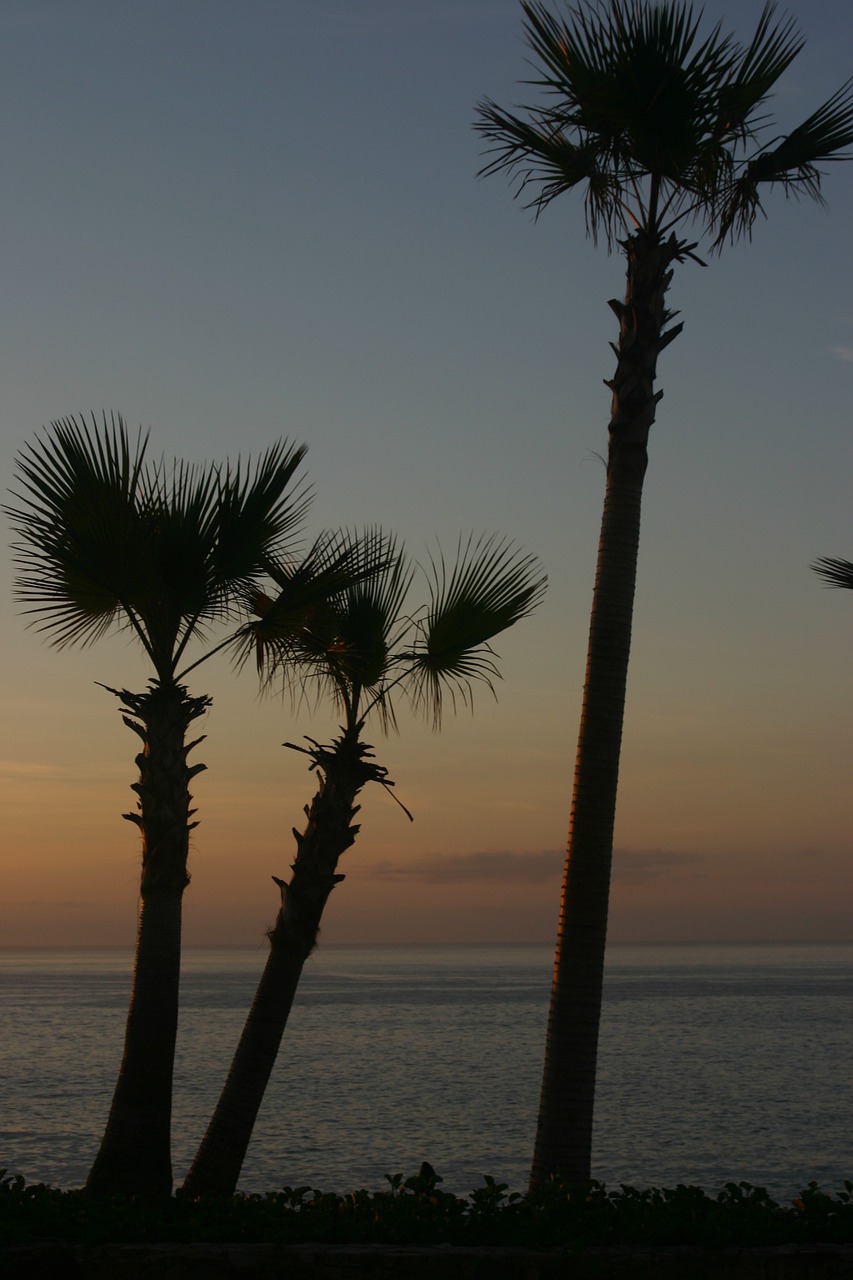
{"points": [[416, 1211]]}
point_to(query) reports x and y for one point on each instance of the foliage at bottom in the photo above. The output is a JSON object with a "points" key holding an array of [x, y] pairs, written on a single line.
{"points": [[416, 1211]]}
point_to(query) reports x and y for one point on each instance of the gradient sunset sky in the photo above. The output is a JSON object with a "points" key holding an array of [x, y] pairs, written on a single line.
{"points": [[233, 222]]}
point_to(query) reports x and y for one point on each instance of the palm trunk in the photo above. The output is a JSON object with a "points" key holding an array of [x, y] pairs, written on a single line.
{"points": [[343, 771], [135, 1154], [564, 1130]]}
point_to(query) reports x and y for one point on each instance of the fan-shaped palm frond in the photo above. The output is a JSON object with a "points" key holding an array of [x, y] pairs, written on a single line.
{"points": [[365, 623], [177, 596], [835, 573], [238, 521], [257, 516], [82, 548], [489, 588], [792, 163], [768, 55]]}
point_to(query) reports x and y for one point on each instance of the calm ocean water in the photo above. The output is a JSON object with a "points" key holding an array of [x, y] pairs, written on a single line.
{"points": [[716, 1064]]}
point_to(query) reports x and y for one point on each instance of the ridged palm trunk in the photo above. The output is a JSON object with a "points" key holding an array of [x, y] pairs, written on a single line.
{"points": [[564, 1131], [135, 1154], [343, 771]]}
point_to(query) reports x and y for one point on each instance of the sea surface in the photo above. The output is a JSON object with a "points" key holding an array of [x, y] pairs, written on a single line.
{"points": [[717, 1063]]}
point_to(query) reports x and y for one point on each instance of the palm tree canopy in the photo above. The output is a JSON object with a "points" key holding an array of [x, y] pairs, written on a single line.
{"points": [[835, 573], [363, 643], [658, 123], [105, 538]]}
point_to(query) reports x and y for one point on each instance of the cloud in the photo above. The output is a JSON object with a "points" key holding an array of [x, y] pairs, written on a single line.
{"points": [[631, 867], [501, 866], [637, 866], [30, 771], [844, 353], [48, 904], [17, 769]]}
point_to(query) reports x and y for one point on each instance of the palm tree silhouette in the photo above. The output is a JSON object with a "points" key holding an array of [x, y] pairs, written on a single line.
{"points": [[108, 541], [363, 648], [659, 127]]}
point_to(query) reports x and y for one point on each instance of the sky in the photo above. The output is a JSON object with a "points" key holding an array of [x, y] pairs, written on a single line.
{"points": [[234, 223]]}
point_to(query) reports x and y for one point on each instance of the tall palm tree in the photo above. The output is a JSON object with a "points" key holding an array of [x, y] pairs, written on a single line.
{"points": [[107, 540], [661, 128], [362, 648]]}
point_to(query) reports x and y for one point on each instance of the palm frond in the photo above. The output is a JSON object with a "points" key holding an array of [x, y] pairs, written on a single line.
{"points": [[792, 164], [178, 510], [81, 550], [368, 612], [369, 622], [297, 626], [542, 155], [235, 521], [490, 586], [258, 514], [835, 573], [768, 55]]}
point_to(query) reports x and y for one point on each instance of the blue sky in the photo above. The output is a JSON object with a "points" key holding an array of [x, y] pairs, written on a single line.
{"points": [[236, 222]]}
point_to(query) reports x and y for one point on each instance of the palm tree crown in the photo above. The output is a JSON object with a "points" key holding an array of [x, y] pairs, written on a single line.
{"points": [[658, 123], [361, 646], [106, 539]]}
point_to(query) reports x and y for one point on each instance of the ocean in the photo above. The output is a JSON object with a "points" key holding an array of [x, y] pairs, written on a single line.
{"points": [[717, 1063]]}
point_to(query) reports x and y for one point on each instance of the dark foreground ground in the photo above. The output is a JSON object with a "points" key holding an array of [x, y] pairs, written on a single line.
{"points": [[400, 1262]]}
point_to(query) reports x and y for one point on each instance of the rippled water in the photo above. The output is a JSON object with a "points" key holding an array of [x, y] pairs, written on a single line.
{"points": [[716, 1063]]}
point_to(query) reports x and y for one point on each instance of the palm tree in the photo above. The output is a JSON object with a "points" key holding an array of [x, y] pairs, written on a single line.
{"points": [[660, 128], [362, 648], [107, 541], [835, 573]]}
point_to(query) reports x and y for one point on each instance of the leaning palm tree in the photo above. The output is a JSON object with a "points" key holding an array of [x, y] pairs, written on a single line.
{"points": [[107, 541], [835, 573], [661, 129], [362, 648]]}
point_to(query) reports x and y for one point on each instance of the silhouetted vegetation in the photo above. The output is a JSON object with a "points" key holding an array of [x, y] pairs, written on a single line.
{"points": [[416, 1211]]}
